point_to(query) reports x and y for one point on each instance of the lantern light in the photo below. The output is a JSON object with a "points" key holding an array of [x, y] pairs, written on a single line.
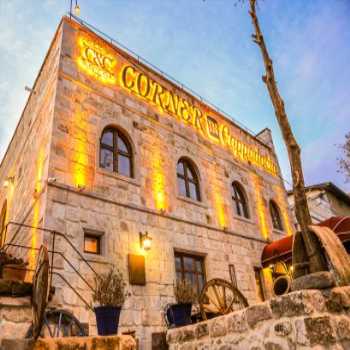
{"points": [[145, 241], [76, 9]]}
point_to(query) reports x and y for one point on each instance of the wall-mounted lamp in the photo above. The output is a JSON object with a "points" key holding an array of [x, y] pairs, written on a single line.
{"points": [[145, 241], [81, 187], [8, 181]]}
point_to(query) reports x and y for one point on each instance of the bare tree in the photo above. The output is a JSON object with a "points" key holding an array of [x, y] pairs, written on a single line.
{"points": [[344, 162], [316, 262]]}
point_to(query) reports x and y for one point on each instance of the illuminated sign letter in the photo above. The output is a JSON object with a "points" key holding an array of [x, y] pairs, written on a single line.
{"points": [[128, 74], [143, 85]]}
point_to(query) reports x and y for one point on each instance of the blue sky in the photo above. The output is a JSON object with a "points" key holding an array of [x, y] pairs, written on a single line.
{"points": [[207, 46]]}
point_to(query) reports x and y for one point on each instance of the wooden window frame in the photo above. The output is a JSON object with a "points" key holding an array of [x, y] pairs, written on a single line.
{"points": [[3, 214], [117, 134], [261, 287], [240, 200], [98, 237], [275, 214], [189, 167], [195, 257]]}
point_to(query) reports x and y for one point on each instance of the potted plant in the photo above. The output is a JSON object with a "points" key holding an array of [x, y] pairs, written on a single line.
{"points": [[12, 268], [179, 314], [109, 297]]}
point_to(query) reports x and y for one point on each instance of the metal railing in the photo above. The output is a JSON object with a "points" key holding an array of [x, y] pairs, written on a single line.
{"points": [[53, 252]]}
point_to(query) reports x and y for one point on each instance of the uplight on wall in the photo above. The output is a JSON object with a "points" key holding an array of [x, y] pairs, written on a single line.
{"points": [[9, 181], [145, 241]]}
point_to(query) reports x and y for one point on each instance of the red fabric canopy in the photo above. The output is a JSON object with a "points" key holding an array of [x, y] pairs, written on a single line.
{"points": [[282, 249]]}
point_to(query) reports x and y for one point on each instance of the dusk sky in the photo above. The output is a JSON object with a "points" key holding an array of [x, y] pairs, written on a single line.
{"points": [[207, 46]]}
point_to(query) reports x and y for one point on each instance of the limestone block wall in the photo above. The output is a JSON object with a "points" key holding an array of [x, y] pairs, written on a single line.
{"points": [[26, 159], [144, 307], [84, 196], [15, 317], [300, 320], [117, 342]]}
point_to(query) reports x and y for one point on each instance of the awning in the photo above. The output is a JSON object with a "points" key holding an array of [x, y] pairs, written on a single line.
{"points": [[282, 249]]}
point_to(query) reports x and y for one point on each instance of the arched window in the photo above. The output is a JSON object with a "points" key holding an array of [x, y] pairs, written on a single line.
{"points": [[239, 200], [3, 223], [187, 179], [275, 216], [116, 152]]}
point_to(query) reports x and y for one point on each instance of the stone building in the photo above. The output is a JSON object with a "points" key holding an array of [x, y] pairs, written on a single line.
{"points": [[108, 148], [325, 200]]}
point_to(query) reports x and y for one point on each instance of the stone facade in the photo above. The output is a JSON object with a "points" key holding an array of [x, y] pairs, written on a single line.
{"points": [[15, 317], [58, 184], [311, 319], [119, 342], [325, 200]]}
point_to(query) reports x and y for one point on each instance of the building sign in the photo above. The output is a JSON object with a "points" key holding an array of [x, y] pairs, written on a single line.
{"points": [[101, 64], [95, 60]]}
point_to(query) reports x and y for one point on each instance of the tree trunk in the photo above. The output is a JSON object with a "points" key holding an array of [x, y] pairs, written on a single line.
{"points": [[316, 262]]}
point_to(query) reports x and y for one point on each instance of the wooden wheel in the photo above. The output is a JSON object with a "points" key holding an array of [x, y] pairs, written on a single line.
{"points": [[59, 323], [220, 297], [40, 290]]}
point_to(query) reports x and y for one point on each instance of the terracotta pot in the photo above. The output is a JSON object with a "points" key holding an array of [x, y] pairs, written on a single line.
{"points": [[14, 272]]}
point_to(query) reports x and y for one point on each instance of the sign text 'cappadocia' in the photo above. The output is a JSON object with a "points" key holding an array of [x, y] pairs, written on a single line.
{"points": [[98, 62]]}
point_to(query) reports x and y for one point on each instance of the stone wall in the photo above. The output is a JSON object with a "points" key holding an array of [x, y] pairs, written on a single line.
{"points": [[121, 342], [15, 317], [299, 320], [27, 157]]}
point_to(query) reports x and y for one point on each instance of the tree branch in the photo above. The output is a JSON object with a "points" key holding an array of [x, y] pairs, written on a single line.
{"points": [[301, 207]]}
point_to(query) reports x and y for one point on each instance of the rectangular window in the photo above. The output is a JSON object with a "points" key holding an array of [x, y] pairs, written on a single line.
{"points": [[191, 268], [259, 284], [92, 243]]}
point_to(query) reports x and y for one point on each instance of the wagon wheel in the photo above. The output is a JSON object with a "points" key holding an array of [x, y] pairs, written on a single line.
{"points": [[40, 290], [219, 297], [59, 323]]}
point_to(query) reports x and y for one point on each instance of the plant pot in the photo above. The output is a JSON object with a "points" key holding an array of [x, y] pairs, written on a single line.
{"points": [[179, 314], [14, 272], [107, 319]]}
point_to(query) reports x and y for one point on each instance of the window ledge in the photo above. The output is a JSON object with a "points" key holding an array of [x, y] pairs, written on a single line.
{"points": [[94, 258], [241, 218], [117, 176], [192, 201], [279, 232]]}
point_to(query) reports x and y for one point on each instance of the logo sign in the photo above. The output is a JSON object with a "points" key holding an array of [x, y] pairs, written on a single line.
{"points": [[95, 60], [98, 62], [213, 127]]}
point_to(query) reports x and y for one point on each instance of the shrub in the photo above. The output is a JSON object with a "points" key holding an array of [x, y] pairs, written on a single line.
{"points": [[109, 289], [184, 292]]}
